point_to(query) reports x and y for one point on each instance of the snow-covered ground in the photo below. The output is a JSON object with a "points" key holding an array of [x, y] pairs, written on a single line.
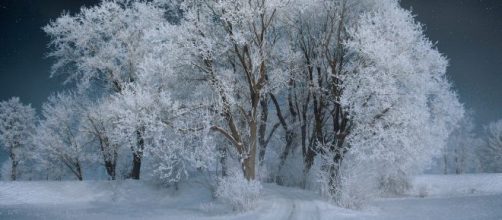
{"points": [[432, 197]]}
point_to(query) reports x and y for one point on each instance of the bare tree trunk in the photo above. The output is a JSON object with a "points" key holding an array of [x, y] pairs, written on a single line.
{"points": [[250, 159], [308, 152], [13, 174], [110, 158], [138, 154], [136, 165], [80, 177], [457, 163], [110, 166], [445, 161], [249, 166], [317, 129], [223, 161], [262, 130], [289, 133]]}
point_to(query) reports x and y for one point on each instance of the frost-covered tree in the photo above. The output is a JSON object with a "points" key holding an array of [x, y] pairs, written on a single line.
{"points": [[59, 138], [240, 50], [17, 125], [229, 44], [400, 102], [491, 153], [316, 120], [352, 89], [173, 136], [104, 45]]}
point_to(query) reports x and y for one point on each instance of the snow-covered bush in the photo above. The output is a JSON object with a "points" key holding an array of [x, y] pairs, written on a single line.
{"points": [[353, 187], [240, 193], [423, 190], [172, 158], [396, 184]]}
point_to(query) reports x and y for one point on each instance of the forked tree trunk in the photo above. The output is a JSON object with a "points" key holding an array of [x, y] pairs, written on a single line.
{"points": [[255, 85], [289, 136]]}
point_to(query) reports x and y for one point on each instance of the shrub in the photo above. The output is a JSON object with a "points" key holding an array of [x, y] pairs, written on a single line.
{"points": [[240, 193]]}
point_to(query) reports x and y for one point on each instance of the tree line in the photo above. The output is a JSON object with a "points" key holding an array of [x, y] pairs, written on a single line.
{"points": [[313, 93]]}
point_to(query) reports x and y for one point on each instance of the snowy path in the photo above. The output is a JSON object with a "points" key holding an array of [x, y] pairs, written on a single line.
{"points": [[292, 204], [458, 198]]}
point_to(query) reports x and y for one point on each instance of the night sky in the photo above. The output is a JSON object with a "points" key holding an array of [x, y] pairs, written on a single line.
{"points": [[469, 32], [24, 66]]}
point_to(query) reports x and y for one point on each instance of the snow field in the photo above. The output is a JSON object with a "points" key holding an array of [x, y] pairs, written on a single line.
{"points": [[476, 196]]}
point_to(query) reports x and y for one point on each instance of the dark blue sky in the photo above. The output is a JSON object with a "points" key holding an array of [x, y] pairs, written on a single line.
{"points": [[469, 32], [24, 68]]}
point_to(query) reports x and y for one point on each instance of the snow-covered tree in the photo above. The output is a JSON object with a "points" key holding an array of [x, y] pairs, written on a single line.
{"points": [[17, 125], [172, 135], [59, 139], [104, 45], [343, 86], [491, 153], [315, 116], [400, 102], [244, 61], [229, 44]]}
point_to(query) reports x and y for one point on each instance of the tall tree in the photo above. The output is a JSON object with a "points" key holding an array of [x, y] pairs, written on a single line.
{"points": [[231, 42], [104, 45], [397, 94]]}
